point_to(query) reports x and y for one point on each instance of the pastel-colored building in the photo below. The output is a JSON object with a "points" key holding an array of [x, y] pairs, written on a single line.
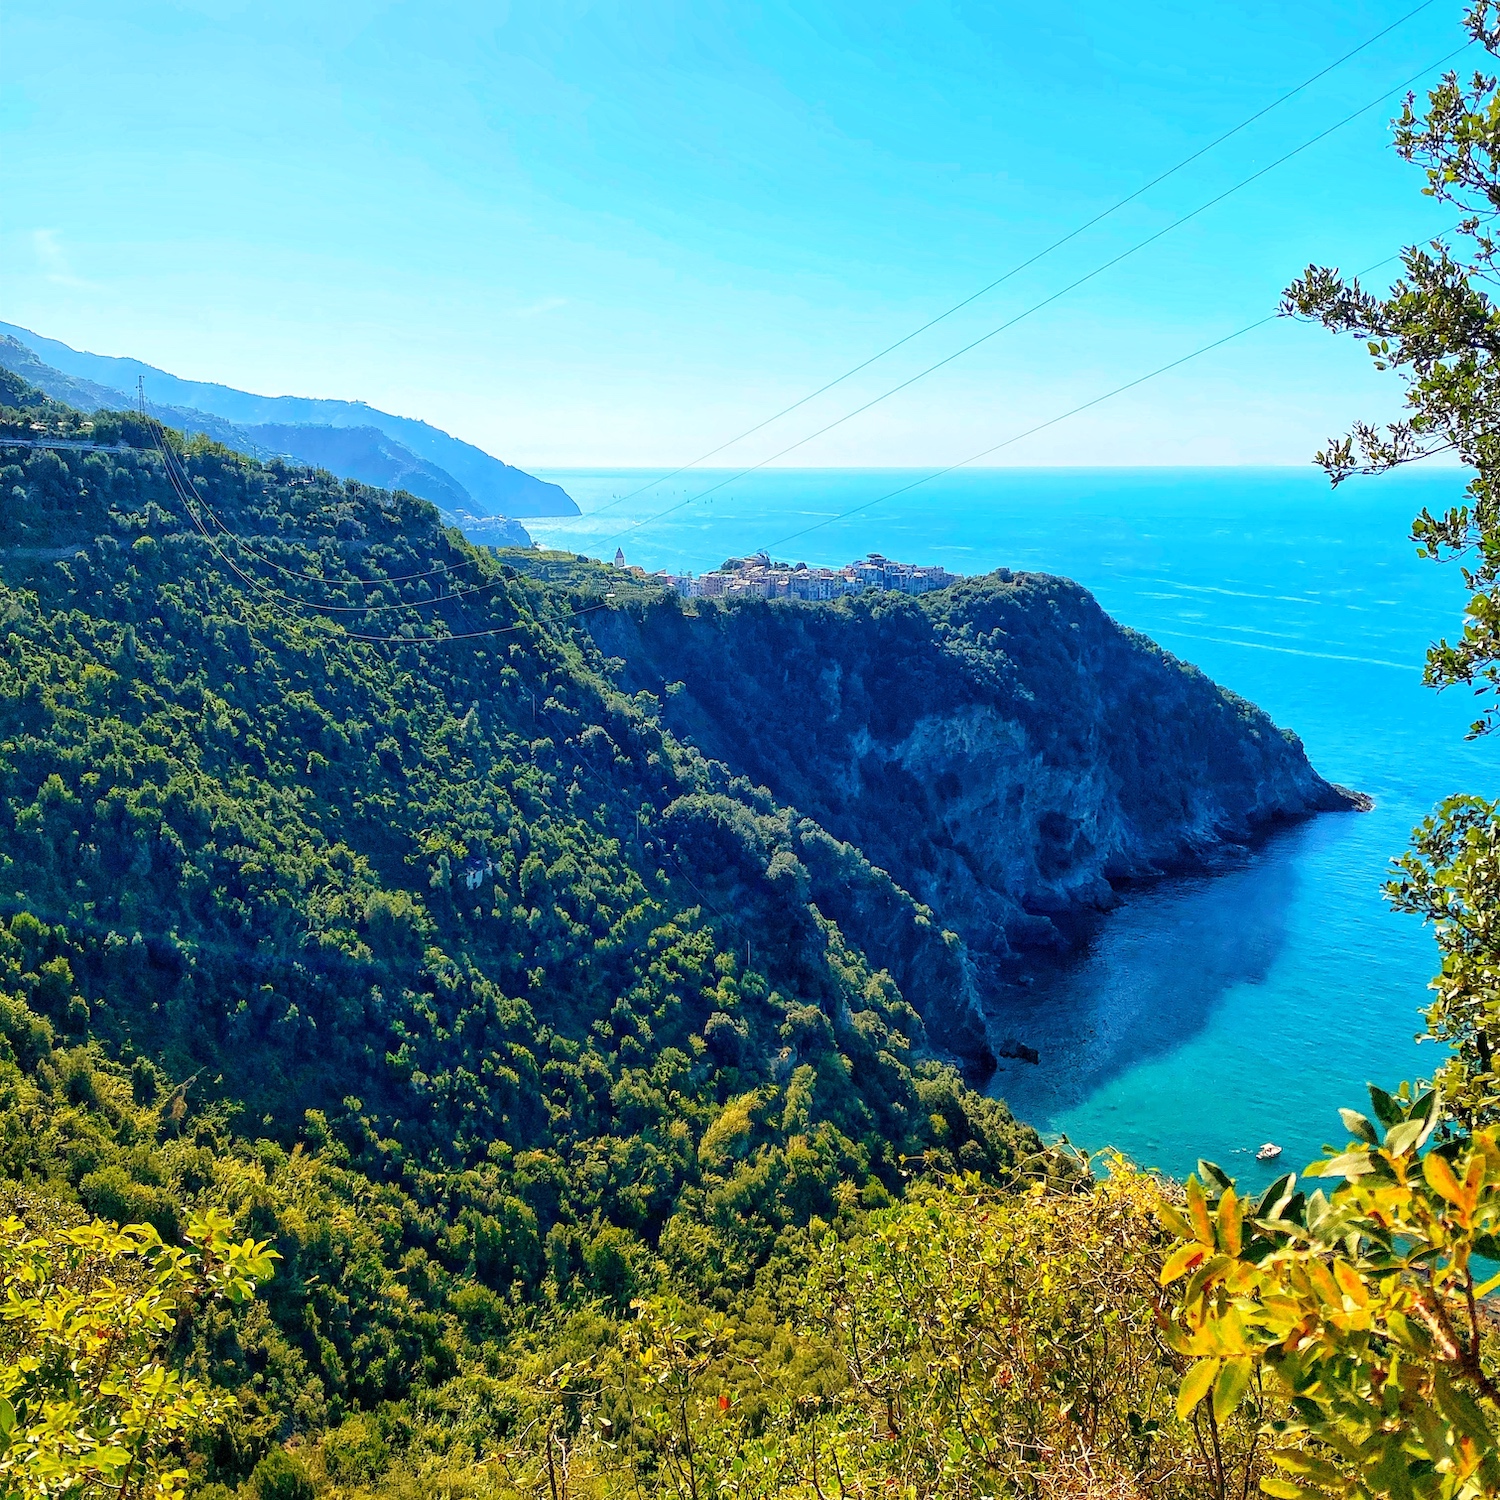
{"points": [[758, 577]]}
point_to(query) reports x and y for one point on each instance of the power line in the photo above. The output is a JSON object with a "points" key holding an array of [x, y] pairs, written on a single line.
{"points": [[1030, 260], [188, 496], [1030, 431], [69, 445], [1050, 422], [1038, 306], [239, 541], [466, 635], [150, 417], [455, 596]]}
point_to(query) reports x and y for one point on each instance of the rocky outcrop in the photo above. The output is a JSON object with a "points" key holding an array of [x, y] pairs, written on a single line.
{"points": [[1005, 750]]}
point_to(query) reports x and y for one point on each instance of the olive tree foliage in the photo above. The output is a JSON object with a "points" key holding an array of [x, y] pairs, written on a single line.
{"points": [[1364, 1306], [1439, 327], [90, 1401], [1363, 1309], [1451, 876]]}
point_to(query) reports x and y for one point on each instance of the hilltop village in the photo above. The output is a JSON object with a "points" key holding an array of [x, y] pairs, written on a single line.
{"points": [[757, 577]]}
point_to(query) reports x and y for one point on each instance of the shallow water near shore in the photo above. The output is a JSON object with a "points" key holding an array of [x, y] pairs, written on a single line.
{"points": [[1212, 1012]]}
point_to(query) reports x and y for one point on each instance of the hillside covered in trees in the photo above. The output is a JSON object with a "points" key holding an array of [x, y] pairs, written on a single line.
{"points": [[364, 886]]}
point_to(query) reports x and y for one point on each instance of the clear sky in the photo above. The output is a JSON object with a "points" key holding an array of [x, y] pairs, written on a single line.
{"points": [[618, 233]]}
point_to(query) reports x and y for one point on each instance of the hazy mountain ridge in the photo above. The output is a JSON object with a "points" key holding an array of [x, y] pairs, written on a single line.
{"points": [[362, 453], [492, 486], [89, 396]]}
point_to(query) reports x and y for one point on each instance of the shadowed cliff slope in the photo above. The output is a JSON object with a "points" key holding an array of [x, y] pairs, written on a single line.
{"points": [[1003, 748]]}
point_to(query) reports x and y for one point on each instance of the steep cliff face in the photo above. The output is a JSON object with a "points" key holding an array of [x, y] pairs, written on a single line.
{"points": [[1005, 750]]}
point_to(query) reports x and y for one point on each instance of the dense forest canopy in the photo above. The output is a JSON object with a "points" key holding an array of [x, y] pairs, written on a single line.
{"points": [[392, 948]]}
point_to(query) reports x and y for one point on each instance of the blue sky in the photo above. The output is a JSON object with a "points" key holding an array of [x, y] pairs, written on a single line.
{"points": [[610, 234]]}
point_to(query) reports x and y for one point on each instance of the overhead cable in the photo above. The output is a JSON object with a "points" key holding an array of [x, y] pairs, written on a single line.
{"points": [[1036, 307], [186, 492], [457, 595], [444, 569], [1119, 390], [1030, 261]]}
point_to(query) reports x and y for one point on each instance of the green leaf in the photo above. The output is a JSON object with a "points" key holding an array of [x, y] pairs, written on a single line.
{"points": [[1353, 1163], [1295, 1461], [1462, 1411], [1230, 1388], [1432, 1113], [1356, 1124], [1212, 1172], [1275, 1198], [1174, 1221], [1195, 1386], [1400, 1139]]}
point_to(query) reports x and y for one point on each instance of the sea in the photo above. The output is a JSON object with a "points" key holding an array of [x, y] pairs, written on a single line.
{"points": [[1211, 1013]]}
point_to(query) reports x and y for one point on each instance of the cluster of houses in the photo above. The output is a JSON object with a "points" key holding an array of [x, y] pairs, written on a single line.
{"points": [[757, 577]]}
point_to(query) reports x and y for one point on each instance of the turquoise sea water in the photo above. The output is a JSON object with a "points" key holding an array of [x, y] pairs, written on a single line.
{"points": [[1211, 1013]]}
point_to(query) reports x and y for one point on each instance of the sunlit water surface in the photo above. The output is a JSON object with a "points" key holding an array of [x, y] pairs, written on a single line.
{"points": [[1210, 1013]]}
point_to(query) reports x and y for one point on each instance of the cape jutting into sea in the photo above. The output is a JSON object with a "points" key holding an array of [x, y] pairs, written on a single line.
{"points": [[1211, 1013]]}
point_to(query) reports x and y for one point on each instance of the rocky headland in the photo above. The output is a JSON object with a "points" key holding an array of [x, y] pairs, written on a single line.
{"points": [[1006, 751]]}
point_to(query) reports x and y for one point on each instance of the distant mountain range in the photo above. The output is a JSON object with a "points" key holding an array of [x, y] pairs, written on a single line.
{"points": [[348, 438]]}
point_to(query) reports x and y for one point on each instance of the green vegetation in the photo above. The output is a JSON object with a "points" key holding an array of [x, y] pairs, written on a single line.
{"points": [[597, 1155], [1368, 1306], [355, 919], [547, 1055], [1436, 328], [88, 1406], [386, 951]]}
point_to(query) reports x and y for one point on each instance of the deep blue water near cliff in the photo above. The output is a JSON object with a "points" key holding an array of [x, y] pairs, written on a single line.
{"points": [[1211, 1013]]}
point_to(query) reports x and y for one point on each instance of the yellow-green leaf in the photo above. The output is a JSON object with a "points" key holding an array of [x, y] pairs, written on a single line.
{"points": [[1350, 1284], [1230, 1221], [1174, 1221], [1298, 1462], [1285, 1489], [1230, 1388], [1183, 1258], [1195, 1386], [1440, 1178], [1198, 1211]]}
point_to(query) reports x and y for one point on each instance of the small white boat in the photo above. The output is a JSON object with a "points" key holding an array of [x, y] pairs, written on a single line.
{"points": [[1269, 1152]]}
